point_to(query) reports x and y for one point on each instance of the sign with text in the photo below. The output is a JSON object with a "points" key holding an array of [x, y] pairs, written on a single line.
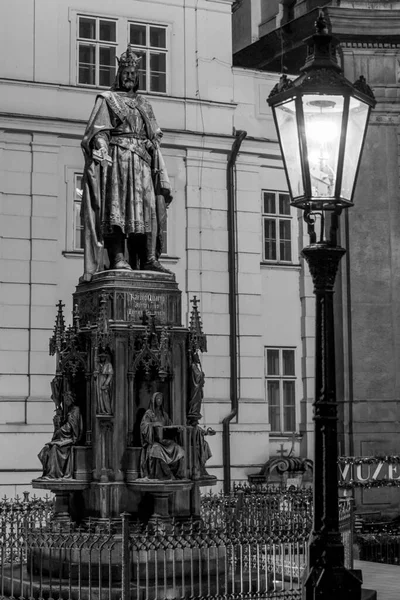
{"points": [[148, 302], [368, 471]]}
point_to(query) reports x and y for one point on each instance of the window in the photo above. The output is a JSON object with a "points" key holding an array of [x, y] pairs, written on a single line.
{"points": [[97, 51], [150, 42], [98, 47], [280, 382], [77, 239], [277, 225]]}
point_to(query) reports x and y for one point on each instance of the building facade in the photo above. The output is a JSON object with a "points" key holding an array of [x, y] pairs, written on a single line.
{"points": [[367, 306], [58, 58]]}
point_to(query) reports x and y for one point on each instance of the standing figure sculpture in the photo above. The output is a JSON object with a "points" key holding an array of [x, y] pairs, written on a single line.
{"points": [[56, 456], [161, 458], [197, 380], [125, 186], [203, 451], [104, 379]]}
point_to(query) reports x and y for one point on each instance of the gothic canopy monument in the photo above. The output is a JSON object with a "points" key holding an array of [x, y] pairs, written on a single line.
{"points": [[129, 383]]}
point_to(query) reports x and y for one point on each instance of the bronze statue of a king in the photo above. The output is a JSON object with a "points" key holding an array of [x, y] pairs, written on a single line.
{"points": [[125, 186]]}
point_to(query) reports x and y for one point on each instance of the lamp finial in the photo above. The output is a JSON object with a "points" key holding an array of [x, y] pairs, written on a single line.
{"points": [[321, 25]]}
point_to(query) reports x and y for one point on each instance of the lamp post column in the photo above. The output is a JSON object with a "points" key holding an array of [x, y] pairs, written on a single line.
{"points": [[327, 578]]}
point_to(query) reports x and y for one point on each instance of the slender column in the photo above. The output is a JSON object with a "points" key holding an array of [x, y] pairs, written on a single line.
{"points": [[327, 577]]}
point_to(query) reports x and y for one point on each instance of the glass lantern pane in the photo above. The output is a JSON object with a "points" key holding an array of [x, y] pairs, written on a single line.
{"points": [[285, 115], [358, 117], [323, 124]]}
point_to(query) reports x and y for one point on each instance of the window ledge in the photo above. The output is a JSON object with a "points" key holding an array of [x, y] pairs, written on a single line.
{"points": [[79, 254], [284, 436], [169, 259], [73, 253], [280, 265]]}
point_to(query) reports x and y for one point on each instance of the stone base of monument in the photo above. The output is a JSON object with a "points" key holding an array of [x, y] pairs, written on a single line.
{"points": [[129, 294], [160, 493]]}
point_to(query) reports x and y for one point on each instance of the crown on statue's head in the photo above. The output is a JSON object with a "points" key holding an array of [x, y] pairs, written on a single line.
{"points": [[129, 59]]}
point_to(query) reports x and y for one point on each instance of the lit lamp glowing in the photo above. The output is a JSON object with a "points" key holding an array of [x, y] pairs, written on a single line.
{"points": [[321, 120]]}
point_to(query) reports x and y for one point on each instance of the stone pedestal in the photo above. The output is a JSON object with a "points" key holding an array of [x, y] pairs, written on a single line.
{"points": [[133, 320]]}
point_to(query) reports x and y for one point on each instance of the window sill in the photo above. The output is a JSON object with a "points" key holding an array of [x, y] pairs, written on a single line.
{"points": [[173, 260], [285, 436], [280, 265], [79, 254], [89, 86], [73, 253]]}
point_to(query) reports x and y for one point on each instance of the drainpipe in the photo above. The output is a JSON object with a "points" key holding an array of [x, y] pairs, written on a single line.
{"points": [[233, 311]]}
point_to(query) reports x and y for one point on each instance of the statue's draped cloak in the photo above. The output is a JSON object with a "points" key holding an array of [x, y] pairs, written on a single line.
{"points": [[56, 457], [131, 192], [156, 453], [103, 390]]}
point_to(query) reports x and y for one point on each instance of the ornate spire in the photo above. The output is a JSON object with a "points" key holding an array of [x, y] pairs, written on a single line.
{"points": [[59, 330], [102, 321], [197, 339]]}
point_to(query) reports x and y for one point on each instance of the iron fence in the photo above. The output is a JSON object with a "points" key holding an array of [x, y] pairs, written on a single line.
{"points": [[379, 547], [236, 551]]}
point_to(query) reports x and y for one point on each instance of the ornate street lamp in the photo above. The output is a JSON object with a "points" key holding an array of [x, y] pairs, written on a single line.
{"points": [[321, 120]]}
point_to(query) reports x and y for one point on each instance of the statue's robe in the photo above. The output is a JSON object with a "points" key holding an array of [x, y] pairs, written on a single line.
{"points": [[56, 456], [104, 406], [160, 457], [132, 192]]}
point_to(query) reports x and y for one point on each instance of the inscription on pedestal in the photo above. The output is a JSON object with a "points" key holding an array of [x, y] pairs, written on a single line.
{"points": [[150, 303], [127, 296]]}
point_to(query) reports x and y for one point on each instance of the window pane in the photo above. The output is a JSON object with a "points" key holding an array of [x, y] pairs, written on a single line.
{"points": [[273, 405], [87, 64], [288, 362], [272, 362], [157, 37], [107, 31], [158, 82], [269, 239], [157, 72], [87, 28], [106, 76], [107, 66], [284, 204], [269, 202], [107, 56], [78, 187], [78, 233], [142, 69], [285, 244], [289, 406], [138, 34], [158, 62]]}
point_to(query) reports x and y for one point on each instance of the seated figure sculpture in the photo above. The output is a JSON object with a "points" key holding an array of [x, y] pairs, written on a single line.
{"points": [[161, 458], [56, 456]]}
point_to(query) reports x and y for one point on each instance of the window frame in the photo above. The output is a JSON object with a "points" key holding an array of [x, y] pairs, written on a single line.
{"points": [[70, 177], [277, 218], [122, 39], [281, 378], [77, 201], [98, 44], [148, 49]]}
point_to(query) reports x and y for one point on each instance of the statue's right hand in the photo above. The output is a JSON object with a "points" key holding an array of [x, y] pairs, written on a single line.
{"points": [[100, 143]]}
